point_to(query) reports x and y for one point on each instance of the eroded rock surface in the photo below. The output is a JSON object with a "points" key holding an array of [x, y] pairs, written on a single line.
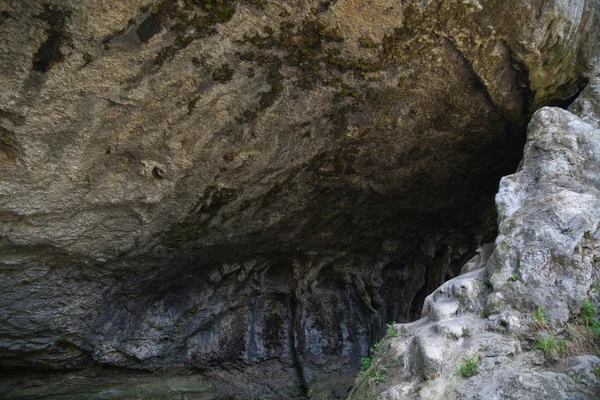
{"points": [[249, 189], [546, 255]]}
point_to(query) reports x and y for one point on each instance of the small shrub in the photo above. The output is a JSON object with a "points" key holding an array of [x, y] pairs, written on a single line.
{"points": [[597, 370], [513, 278], [577, 379], [468, 368], [365, 363], [392, 332]]}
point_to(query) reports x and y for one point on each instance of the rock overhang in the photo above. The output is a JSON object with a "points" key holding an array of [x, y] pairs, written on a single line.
{"points": [[198, 147]]}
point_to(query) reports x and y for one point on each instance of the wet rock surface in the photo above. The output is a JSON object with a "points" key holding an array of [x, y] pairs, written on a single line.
{"points": [[249, 190]]}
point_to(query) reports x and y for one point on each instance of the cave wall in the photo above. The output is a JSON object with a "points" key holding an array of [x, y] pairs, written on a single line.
{"points": [[260, 326], [253, 188]]}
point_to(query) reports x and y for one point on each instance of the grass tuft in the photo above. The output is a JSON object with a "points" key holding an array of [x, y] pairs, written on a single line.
{"points": [[540, 321], [552, 347], [468, 368]]}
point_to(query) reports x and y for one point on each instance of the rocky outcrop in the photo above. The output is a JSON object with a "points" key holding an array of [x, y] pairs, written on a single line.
{"points": [[497, 313], [250, 189]]}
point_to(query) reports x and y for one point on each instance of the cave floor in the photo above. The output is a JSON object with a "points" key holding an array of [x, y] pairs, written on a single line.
{"points": [[100, 383], [110, 383]]}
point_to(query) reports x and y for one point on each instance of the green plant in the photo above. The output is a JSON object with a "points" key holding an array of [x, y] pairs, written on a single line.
{"points": [[577, 379], [539, 318], [546, 343], [514, 277], [597, 370], [392, 332], [378, 377], [539, 315], [375, 374], [365, 363], [590, 317], [551, 347], [588, 310], [376, 347], [584, 330], [468, 368]]}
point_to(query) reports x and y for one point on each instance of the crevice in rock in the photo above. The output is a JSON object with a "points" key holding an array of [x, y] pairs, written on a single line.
{"points": [[564, 100], [294, 339], [157, 173], [523, 82]]}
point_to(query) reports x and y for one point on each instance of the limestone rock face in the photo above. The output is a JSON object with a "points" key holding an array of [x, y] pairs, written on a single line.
{"points": [[248, 189], [546, 255]]}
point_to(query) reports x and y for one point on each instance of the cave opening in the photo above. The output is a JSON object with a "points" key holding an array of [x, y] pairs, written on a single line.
{"points": [[309, 183], [284, 323], [284, 311]]}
